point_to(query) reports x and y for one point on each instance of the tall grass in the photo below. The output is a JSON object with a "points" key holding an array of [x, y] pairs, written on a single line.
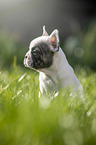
{"points": [[26, 119]]}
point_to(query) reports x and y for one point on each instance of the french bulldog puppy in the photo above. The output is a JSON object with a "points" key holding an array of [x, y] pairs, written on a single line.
{"points": [[46, 57]]}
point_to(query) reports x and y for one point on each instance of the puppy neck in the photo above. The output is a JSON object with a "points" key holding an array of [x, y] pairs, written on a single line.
{"points": [[59, 67]]}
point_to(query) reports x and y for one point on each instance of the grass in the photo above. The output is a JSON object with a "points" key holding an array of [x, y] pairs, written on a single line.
{"points": [[26, 119]]}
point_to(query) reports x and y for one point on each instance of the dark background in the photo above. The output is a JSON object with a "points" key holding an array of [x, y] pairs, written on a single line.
{"points": [[21, 21]]}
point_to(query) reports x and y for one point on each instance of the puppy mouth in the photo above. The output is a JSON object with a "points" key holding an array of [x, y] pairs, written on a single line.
{"points": [[28, 62]]}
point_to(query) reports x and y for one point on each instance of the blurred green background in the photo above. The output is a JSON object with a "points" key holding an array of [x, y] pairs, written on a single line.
{"points": [[22, 21]]}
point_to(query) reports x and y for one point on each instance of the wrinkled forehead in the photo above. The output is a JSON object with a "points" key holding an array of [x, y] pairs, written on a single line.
{"points": [[39, 40]]}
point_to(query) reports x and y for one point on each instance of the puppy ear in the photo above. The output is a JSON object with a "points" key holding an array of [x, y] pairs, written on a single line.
{"points": [[54, 39], [44, 32]]}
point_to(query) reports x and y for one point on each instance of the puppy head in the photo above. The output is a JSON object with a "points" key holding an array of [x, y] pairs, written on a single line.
{"points": [[41, 50]]}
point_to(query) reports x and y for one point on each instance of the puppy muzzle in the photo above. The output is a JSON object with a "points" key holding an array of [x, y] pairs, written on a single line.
{"points": [[28, 62]]}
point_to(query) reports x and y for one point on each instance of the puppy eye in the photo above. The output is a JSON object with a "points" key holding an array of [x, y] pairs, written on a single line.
{"points": [[35, 49]]}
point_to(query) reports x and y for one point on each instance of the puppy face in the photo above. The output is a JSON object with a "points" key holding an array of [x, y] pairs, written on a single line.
{"points": [[39, 57], [41, 50]]}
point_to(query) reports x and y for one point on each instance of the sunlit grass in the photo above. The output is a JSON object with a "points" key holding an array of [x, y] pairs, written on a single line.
{"points": [[26, 119]]}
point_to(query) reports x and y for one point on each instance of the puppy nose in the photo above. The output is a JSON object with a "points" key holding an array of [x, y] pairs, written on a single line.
{"points": [[26, 56]]}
